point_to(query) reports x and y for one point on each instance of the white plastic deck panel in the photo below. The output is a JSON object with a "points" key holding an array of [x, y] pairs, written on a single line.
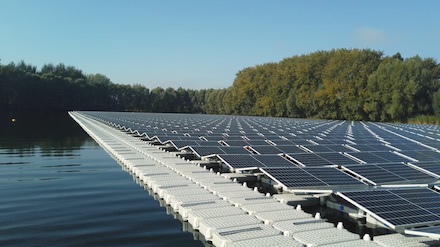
{"points": [[272, 241], [240, 201], [176, 200], [289, 227], [274, 216], [185, 209], [320, 237], [226, 236], [195, 216], [231, 194], [170, 184], [400, 240], [256, 208], [354, 243], [197, 193]]}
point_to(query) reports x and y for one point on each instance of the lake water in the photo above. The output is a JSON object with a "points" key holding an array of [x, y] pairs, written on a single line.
{"points": [[59, 188]]}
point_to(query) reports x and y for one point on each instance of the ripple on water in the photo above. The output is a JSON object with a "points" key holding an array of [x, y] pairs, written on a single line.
{"points": [[77, 196]]}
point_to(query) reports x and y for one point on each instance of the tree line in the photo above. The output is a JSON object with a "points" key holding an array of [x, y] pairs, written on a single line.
{"points": [[339, 84], [350, 84], [63, 88]]}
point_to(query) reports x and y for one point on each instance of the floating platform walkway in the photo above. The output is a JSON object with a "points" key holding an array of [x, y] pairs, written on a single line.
{"points": [[227, 213]]}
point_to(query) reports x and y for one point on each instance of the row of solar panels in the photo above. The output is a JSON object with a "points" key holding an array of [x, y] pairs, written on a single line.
{"points": [[234, 150], [307, 132], [305, 155]]}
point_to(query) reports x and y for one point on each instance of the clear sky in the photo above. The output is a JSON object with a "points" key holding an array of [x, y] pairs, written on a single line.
{"points": [[204, 43]]}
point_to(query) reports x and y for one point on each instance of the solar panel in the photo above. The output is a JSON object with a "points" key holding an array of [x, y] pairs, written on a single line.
{"points": [[267, 149], [300, 141], [273, 161], [234, 150], [332, 176], [295, 177], [239, 161], [338, 148], [408, 146], [290, 149], [208, 143], [257, 142], [318, 148], [397, 207], [324, 141], [431, 167], [182, 143], [206, 151], [418, 155], [431, 153], [308, 159], [369, 158], [368, 148], [283, 142], [389, 173], [236, 143], [337, 158]]}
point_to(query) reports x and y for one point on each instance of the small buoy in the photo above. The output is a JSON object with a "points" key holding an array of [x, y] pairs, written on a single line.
{"points": [[13, 120], [367, 237], [318, 216], [340, 226]]}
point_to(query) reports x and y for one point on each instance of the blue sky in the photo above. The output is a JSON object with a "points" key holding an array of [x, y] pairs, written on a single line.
{"points": [[203, 44]]}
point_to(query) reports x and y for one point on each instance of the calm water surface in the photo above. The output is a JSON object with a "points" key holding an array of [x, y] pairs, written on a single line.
{"points": [[59, 188]]}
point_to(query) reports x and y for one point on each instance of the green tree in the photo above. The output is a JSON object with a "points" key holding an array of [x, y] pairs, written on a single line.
{"points": [[436, 103]]}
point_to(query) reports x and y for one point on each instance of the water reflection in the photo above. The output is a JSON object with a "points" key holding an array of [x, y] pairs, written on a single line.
{"points": [[59, 188], [51, 134]]}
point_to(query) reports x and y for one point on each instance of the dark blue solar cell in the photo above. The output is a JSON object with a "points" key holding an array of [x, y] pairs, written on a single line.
{"points": [[290, 149], [183, 143], [433, 167], [236, 143], [293, 177], [418, 155], [332, 176], [273, 161], [206, 151], [337, 158], [239, 161], [318, 148], [267, 149], [234, 150], [368, 157], [309, 159]]}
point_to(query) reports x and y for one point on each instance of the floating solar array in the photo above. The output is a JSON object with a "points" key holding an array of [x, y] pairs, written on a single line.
{"points": [[237, 141], [312, 156]]}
